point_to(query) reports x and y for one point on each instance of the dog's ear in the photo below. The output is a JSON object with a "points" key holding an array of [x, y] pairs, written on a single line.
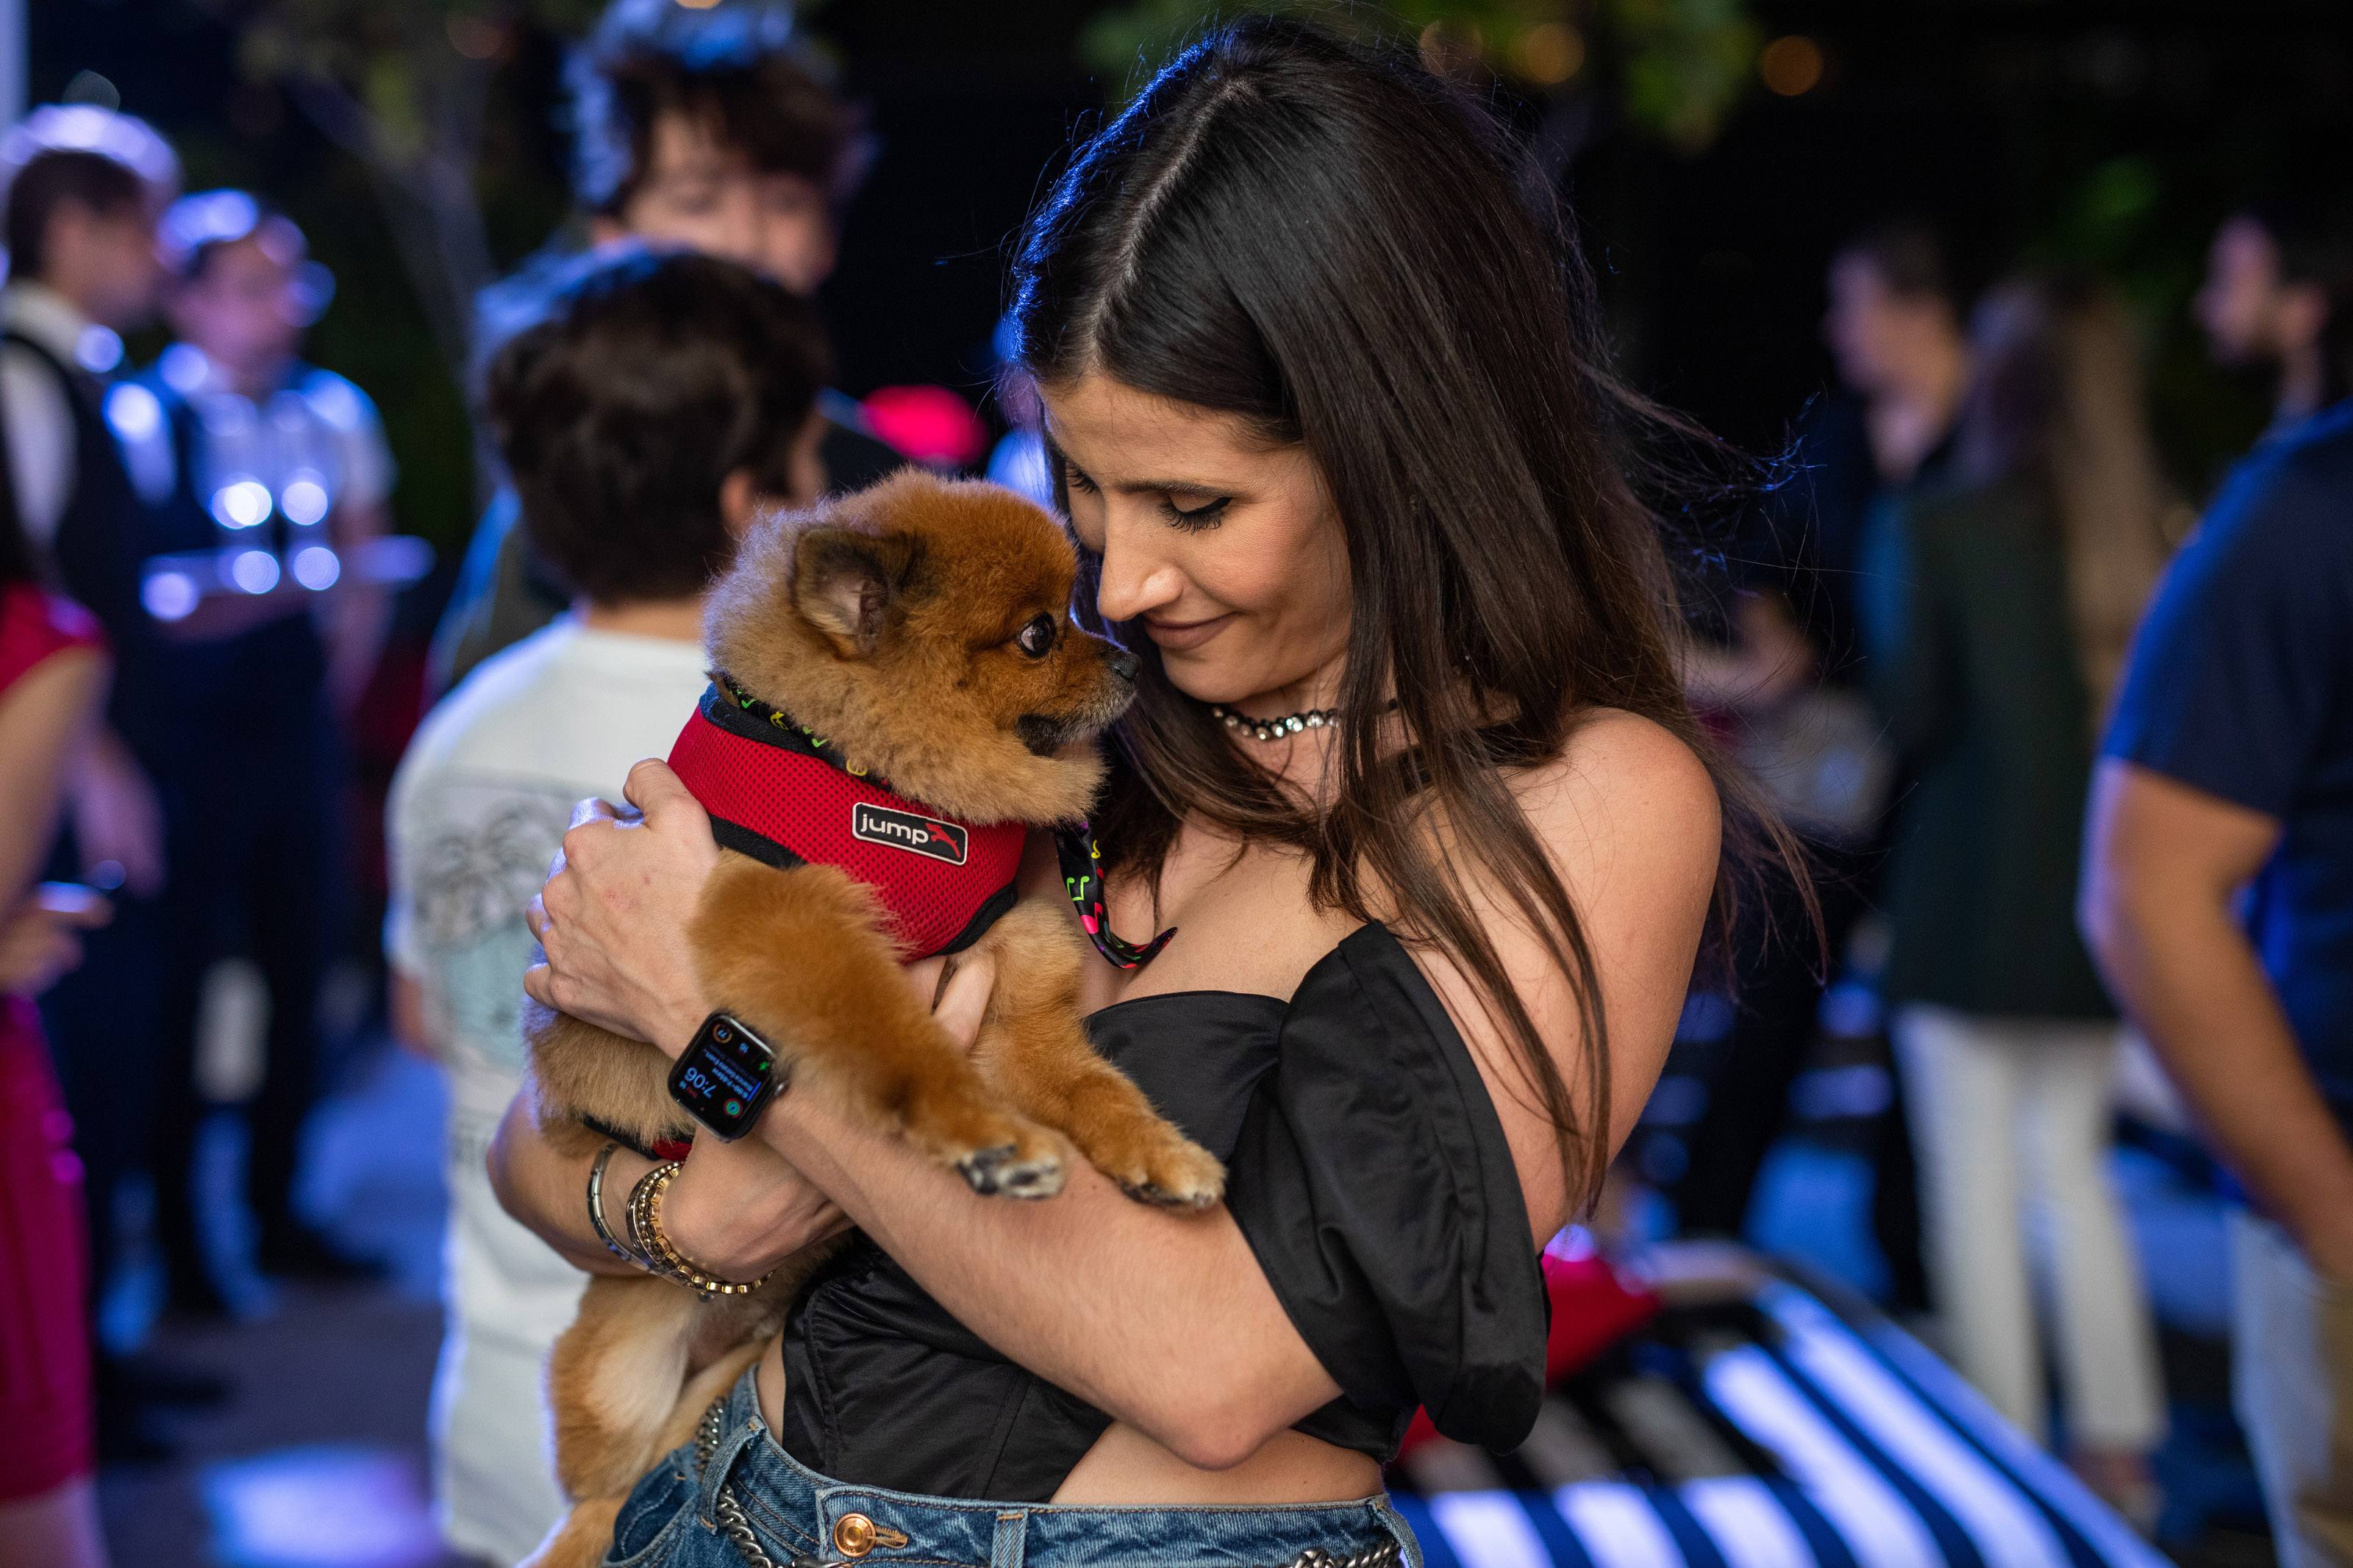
{"points": [[847, 584]]}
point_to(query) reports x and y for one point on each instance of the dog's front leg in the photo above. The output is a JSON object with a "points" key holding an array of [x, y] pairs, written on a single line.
{"points": [[1035, 1049], [801, 957]]}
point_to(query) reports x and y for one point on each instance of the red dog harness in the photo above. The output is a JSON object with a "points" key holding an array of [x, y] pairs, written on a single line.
{"points": [[783, 795]]}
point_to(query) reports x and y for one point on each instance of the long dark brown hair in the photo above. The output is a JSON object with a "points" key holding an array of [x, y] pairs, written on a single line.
{"points": [[1332, 243], [2057, 404]]}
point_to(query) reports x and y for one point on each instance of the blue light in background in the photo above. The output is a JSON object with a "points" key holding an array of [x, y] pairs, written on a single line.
{"points": [[321, 1506], [242, 503]]}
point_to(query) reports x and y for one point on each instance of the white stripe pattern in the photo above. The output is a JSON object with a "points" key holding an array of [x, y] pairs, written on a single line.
{"points": [[1489, 1529], [1877, 1525], [2006, 1528], [1747, 1522]]}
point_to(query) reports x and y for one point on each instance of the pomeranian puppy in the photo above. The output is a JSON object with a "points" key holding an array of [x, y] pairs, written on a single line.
{"points": [[898, 696]]}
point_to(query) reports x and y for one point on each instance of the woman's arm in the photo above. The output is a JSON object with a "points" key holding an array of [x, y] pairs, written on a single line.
{"points": [[47, 718], [737, 1209], [1166, 1323], [1164, 1320], [1630, 817]]}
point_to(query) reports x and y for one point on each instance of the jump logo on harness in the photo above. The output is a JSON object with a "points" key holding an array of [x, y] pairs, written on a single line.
{"points": [[905, 830]]}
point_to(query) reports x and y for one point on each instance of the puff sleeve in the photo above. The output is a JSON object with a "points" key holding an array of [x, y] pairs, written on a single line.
{"points": [[1373, 1181]]}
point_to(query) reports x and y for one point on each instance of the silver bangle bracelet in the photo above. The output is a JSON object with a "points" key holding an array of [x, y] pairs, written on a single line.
{"points": [[597, 1208]]}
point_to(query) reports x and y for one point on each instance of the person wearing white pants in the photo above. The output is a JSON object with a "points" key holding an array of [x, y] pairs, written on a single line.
{"points": [[2011, 1120], [1995, 615]]}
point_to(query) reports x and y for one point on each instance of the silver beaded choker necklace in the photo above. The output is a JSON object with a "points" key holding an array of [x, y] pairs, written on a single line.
{"points": [[1279, 728]]}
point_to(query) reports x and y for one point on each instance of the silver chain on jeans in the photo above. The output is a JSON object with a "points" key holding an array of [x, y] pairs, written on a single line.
{"points": [[737, 1527], [729, 1513], [1384, 1555]]}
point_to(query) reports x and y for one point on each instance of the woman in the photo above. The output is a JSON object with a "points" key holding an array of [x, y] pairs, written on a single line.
{"points": [[1997, 618], [52, 681], [1319, 386]]}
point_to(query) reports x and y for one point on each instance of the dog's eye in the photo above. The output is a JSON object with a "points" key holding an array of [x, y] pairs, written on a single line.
{"points": [[1036, 639]]}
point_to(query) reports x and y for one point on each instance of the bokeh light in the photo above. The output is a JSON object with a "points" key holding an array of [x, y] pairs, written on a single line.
{"points": [[242, 503], [317, 567], [253, 570], [169, 596], [475, 38], [1791, 65], [304, 499], [1549, 53]]}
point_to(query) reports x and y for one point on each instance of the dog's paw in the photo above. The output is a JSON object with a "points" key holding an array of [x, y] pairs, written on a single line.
{"points": [[1178, 1174], [1012, 1171]]}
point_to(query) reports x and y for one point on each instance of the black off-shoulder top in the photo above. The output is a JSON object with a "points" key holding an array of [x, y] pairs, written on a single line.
{"points": [[1368, 1171]]}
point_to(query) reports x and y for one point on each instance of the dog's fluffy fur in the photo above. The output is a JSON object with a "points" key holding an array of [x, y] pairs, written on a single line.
{"points": [[887, 622]]}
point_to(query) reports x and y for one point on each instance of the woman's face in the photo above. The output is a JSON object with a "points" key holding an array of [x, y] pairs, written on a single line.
{"points": [[1225, 552]]}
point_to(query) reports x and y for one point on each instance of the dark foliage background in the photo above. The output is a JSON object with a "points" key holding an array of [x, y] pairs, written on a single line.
{"points": [[2115, 133]]}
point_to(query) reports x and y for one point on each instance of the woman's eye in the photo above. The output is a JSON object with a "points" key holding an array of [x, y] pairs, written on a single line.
{"points": [[1194, 519], [1036, 639], [1076, 479]]}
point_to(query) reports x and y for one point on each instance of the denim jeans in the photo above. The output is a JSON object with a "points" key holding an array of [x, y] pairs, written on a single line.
{"points": [[2292, 1376], [671, 1521]]}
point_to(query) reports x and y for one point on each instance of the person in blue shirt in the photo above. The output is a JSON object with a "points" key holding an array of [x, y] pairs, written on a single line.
{"points": [[2273, 274], [2218, 900]]}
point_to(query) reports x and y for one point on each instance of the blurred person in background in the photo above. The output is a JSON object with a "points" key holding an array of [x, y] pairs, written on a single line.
{"points": [[234, 445], [662, 402], [1995, 612], [2278, 298], [708, 129], [53, 673], [2219, 896], [1893, 327], [86, 187]]}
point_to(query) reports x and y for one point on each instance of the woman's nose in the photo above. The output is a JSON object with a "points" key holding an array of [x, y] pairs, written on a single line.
{"points": [[1131, 581]]}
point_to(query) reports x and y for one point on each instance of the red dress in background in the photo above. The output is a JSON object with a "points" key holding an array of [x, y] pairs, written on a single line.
{"points": [[45, 1389]]}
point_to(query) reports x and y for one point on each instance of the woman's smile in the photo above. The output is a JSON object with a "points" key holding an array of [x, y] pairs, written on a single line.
{"points": [[1183, 636], [1225, 551]]}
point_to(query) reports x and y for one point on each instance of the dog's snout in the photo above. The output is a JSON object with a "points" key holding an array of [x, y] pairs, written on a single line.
{"points": [[1124, 664]]}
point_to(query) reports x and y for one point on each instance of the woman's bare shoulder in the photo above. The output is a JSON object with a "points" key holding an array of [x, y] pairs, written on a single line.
{"points": [[1625, 786]]}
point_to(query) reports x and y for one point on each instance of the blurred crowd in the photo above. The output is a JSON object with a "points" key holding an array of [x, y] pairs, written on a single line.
{"points": [[2069, 747]]}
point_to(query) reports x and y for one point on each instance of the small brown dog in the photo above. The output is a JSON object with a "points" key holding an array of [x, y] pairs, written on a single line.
{"points": [[915, 632]]}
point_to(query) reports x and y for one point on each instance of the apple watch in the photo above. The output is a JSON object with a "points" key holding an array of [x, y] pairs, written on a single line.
{"points": [[727, 1077]]}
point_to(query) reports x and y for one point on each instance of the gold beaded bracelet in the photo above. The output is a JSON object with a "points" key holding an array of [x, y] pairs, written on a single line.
{"points": [[645, 1220]]}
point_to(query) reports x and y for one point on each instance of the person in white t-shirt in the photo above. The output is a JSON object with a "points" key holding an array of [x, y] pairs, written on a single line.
{"points": [[663, 402]]}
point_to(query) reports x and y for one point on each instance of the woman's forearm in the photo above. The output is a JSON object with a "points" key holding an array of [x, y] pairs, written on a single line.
{"points": [[1164, 1320], [735, 1209], [548, 1190]]}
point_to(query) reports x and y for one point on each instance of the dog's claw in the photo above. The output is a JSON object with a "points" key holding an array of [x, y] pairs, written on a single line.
{"points": [[1162, 1197], [1185, 1176], [998, 1171]]}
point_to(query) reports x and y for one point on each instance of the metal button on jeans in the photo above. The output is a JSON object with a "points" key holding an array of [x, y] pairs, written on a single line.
{"points": [[855, 1535]]}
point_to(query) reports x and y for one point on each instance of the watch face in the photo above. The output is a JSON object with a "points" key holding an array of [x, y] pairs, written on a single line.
{"points": [[724, 1078]]}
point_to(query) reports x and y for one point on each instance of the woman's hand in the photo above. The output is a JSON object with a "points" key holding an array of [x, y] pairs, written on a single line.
{"points": [[40, 940], [612, 919], [117, 821], [737, 1209]]}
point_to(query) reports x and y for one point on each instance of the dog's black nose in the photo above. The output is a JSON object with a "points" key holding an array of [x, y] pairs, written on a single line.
{"points": [[1124, 664]]}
